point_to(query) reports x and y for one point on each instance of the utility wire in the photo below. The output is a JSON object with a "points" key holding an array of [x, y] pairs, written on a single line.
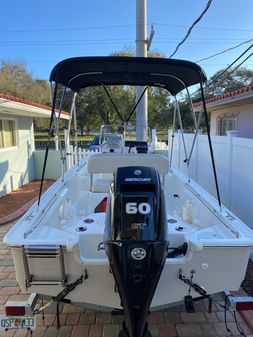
{"points": [[192, 42], [63, 29], [89, 42], [214, 39], [114, 27], [64, 42], [231, 65], [237, 59], [224, 51], [208, 28], [190, 29], [242, 62]]}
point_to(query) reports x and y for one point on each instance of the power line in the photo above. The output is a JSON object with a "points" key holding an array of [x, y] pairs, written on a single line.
{"points": [[222, 64], [237, 59], [87, 42], [116, 27], [205, 39], [231, 65], [224, 51], [169, 40], [207, 28], [196, 42], [217, 77], [190, 29], [64, 29], [242, 62], [65, 42]]}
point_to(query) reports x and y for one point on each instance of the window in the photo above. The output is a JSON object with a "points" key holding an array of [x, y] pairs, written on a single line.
{"points": [[8, 133], [227, 122]]}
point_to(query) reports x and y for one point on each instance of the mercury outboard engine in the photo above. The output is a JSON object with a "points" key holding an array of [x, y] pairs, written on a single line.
{"points": [[136, 242]]}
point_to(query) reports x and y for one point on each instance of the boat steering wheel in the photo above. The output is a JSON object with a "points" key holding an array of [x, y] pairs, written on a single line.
{"points": [[112, 147]]}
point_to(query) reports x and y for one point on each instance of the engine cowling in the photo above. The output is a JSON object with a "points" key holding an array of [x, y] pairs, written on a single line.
{"points": [[136, 242]]}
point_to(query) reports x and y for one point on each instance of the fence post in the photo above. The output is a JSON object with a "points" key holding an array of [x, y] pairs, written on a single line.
{"points": [[197, 155], [76, 155], [153, 139], [56, 141], [80, 154], [179, 149], [229, 167], [71, 156], [169, 143], [67, 149]]}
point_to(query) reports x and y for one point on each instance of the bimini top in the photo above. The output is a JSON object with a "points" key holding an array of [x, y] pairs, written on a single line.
{"points": [[80, 72]]}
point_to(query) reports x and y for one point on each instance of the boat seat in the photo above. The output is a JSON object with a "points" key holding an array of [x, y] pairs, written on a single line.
{"points": [[101, 185], [107, 163]]}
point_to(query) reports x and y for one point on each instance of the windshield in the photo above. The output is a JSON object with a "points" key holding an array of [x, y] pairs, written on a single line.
{"points": [[99, 139]]}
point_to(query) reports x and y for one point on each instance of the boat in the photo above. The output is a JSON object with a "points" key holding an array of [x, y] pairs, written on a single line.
{"points": [[123, 230]]}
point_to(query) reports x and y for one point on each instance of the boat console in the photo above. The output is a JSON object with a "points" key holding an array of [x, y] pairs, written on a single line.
{"points": [[136, 242], [141, 146]]}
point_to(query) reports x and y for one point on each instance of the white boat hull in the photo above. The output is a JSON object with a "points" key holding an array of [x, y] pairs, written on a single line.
{"points": [[219, 244], [212, 266]]}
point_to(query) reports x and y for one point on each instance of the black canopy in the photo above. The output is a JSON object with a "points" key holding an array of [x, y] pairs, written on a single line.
{"points": [[81, 72]]}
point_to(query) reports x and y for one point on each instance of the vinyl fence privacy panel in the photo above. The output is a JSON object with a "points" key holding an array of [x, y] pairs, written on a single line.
{"points": [[242, 179], [234, 165]]}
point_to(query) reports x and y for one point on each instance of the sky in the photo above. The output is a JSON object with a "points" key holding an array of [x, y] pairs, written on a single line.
{"points": [[42, 33]]}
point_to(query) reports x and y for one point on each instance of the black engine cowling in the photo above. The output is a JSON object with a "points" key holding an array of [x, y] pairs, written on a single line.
{"points": [[136, 242]]}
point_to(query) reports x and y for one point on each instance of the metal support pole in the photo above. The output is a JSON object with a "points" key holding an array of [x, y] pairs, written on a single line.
{"points": [[141, 51]]}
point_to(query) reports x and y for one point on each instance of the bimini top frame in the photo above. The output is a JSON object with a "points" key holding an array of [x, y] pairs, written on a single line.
{"points": [[80, 72]]}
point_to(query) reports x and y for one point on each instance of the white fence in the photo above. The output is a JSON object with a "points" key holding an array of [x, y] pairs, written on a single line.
{"points": [[74, 154], [234, 165]]}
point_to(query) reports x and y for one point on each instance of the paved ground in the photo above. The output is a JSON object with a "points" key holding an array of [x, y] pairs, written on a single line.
{"points": [[76, 322], [14, 204]]}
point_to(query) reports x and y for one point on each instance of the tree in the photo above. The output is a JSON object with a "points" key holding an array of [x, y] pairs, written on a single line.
{"points": [[15, 80], [160, 108], [231, 80], [94, 107]]}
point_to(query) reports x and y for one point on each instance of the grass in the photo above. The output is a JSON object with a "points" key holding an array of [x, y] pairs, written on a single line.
{"points": [[162, 136], [42, 137]]}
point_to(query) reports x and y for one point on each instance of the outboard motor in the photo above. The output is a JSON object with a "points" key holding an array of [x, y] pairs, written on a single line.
{"points": [[136, 242]]}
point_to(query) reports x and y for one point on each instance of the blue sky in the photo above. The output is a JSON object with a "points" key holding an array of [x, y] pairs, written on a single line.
{"points": [[42, 33]]}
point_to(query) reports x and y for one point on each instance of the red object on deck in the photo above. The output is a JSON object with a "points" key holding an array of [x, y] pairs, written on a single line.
{"points": [[101, 207]]}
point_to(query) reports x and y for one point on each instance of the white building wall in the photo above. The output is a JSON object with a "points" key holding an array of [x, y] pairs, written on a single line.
{"points": [[245, 118], [246, 121], [16, 163]]}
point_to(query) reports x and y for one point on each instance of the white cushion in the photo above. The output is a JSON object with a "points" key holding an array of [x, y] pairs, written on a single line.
{"points": [[109, 162]]}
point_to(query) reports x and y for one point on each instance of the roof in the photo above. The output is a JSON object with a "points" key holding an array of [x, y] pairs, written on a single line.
{"points": [[172, 74], [240, 94], [28, 108]]}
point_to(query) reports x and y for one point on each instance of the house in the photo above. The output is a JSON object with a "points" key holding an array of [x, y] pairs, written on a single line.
{"points": [[231, 112], [17, 140]]}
